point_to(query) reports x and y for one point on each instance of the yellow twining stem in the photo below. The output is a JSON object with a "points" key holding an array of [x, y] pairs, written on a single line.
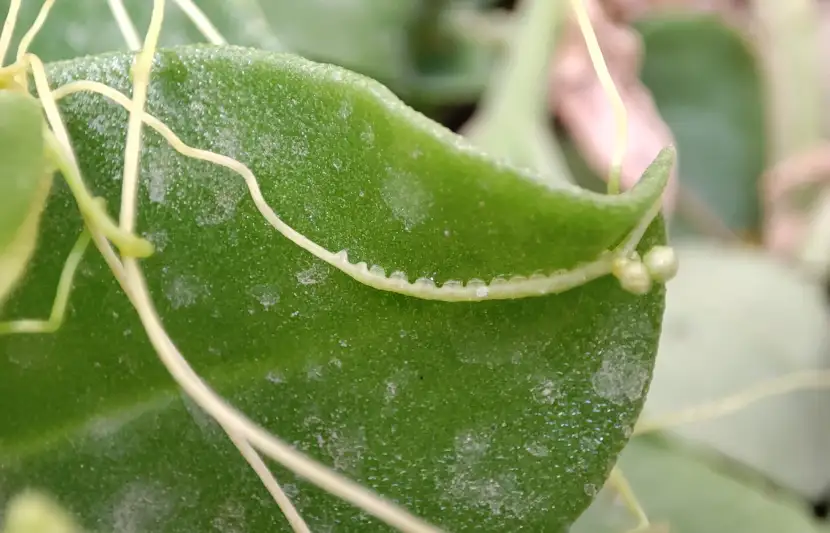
{"points": [[229, 418], [376, 277], [811, 379], [243, 432], [610, 88]]}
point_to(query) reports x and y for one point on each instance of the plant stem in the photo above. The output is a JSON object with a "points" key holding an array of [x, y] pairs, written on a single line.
{"points": [[427, 40], [520, 84], [511, 120]]}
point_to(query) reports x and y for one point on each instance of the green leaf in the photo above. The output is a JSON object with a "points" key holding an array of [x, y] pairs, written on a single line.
{"points": [[691, 495], [86, 27], [492, 414], [368, 36], [708, 87], [410, 45], [25, 183], [75, 29], [443, 62], [736, 318], [22, 161]]}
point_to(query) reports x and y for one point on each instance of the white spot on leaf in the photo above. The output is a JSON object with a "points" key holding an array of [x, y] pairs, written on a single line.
{"points": [[140, 507], [314, 373], [621, 378], [312, 275], [227, 193], [407, 198], [590, 489], [230, 518], [546, 392], [537, 450], [266, 295], [160, 171], [474, 484], [184, 290], [368, 135], [391, 391], [157, 186], [274, 377], [345, 444], [345, 109], [158, 239]]}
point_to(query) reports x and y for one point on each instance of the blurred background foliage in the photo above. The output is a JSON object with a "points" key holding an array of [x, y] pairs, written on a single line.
{"points": [[742, 89]]}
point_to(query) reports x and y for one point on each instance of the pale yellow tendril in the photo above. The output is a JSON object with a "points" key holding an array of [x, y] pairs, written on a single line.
{"points": [[283, 501], [811, 379], [60, 147], [610, 89], [8, 29], [61, 300], [237, 425], [29, 36], [244, 433], [125, 24], [475, 290], [619, 483], [132, 150], [141, 77], [201, 21]]}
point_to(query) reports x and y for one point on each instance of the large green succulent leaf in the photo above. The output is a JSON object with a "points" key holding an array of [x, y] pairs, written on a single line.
{"points": [[494, 414]]}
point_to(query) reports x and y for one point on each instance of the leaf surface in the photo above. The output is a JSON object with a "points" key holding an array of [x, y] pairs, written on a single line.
{"points": [[373, 37], [690, 494], [707, 85], [493, 414], [22, 161], [735, 319], [87, 27]]}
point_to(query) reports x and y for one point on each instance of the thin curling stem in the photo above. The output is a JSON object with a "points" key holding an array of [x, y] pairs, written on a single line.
{"points": [[607, 82]]}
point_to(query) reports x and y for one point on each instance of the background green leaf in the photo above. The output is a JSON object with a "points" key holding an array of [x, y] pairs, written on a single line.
{"points": [[736, 318], [708, 88], [21, 163], [691, 495], [86, 27], [374, 37], [493, 415]]}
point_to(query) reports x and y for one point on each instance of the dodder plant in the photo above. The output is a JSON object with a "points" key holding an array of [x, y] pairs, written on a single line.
{"points": [[438, 326]]}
